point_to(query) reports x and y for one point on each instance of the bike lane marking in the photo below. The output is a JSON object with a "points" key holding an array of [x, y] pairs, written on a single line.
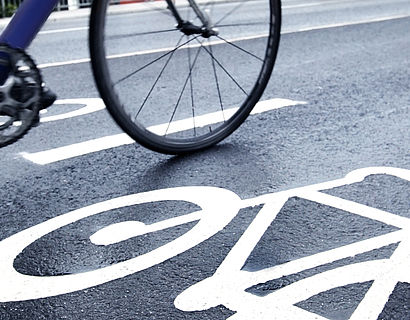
{"points": [[90, 105], [218, 208], [228, 284], [108, 142]]}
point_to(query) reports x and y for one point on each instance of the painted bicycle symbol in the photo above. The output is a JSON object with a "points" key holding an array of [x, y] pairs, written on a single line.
{"points": [[228, 285]]}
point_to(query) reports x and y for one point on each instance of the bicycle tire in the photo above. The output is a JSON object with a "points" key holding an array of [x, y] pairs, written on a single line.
{"points": [[242, 63]]}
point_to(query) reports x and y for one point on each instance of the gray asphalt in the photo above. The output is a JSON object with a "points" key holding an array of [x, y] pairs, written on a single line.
{"points": [[355, 80]]}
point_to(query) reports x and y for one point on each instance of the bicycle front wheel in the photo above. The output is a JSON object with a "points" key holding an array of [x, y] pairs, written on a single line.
{"points": [[175, 90]]}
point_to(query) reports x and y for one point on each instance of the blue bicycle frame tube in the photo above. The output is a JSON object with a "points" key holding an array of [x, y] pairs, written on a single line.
{"points": [[26, 23]]}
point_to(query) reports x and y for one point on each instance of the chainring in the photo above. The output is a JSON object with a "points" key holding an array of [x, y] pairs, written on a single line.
{"points": [[19, 94]]}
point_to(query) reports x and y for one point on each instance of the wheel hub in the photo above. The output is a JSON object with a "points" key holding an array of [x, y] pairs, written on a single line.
{"points": [[189, 28]]}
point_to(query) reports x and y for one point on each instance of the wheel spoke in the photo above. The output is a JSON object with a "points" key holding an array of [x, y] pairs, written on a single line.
{"points": [[224, 69], [136, 34], [240, 48], [183, 89], [155, 60], [192, 89], [174, 101], [157, 79], [217, 83]]}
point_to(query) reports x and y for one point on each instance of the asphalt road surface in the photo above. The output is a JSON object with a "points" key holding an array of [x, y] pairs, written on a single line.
{"points": [[303, 213]]}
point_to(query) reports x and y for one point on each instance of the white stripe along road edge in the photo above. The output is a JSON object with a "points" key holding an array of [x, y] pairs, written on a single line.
{"points": [[157, 6], [130, 54], [295, 6], [151, 51], [108, 142], [346, 24]]}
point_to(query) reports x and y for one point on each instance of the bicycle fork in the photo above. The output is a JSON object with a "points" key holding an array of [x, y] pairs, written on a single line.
{"points": [[189, 28]]}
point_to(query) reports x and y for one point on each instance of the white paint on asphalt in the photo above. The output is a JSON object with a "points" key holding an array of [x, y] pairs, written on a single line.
{"points": [[63, 63], [99, 144], [151, 51], [78, 149], [219, 116], [63, 30], [218, 208], [146, 8], [121, 231], [227, 286], [90, 105], [346, 24]]}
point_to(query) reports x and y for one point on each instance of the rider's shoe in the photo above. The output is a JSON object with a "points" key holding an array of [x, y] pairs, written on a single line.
{"points": [[47, 99]]}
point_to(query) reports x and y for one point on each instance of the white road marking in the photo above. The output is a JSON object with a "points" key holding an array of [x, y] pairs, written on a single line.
{"points": [[294, 6], [218, 208], [90, 105], [227, 286], [229, 283], [78, 149], [129, 54], [150, 51], [312, 4], [346, 24], [63, 30], [121, 231], [108, 142]]}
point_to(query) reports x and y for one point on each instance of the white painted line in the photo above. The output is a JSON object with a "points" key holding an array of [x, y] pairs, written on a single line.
{"points": [[314, 4], [90, 105], [150, 51], [108, 142], [136, 53], [346, 24], [121, 231], [218, 208], [78, 149], [62, 63], [63, 30], [228, 285], [303, 5], [359, 209], [219, 116]]}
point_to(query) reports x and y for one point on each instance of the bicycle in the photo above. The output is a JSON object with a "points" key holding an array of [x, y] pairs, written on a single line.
{"points": [[212, 65]]}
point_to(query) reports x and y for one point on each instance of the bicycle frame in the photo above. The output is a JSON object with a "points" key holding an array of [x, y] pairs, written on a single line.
{"points": [[26, 23], [31, 16], [24, 26]]}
